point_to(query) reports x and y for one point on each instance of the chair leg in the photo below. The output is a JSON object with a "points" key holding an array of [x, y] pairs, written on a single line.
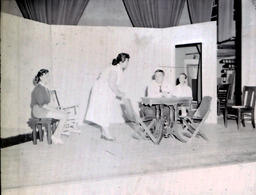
{"points": [[242, 118], [40, 132], [49, 133], [225, 118], [34, 135], [238, 119], [54, 127], [203, 136], [253, 119]]}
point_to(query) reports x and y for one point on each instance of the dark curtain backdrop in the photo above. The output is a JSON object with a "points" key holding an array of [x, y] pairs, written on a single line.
{"points": [[226, 28], [67, 12], [199, 11], [154, 13]]}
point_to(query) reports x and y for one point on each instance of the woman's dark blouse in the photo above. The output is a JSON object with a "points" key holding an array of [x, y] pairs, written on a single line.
{"points": [[40, 96]]}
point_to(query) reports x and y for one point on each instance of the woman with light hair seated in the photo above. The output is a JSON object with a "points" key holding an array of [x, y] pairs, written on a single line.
{"points": [[157, 87], [182, 90]]}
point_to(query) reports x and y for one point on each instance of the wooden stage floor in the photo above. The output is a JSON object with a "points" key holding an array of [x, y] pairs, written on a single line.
{"points": [[86, 157]]}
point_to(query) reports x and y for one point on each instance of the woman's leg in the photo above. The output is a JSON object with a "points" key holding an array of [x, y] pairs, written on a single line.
{"points": [[62, 117], [105, 134]]}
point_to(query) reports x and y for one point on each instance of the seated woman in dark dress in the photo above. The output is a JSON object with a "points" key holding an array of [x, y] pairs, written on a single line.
{"points": [[41, 104]]}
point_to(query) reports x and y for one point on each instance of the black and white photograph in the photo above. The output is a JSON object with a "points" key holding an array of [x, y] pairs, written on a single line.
{"points": [[130, 97]]}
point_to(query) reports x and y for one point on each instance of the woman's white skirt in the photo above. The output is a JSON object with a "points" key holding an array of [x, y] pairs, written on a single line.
{"points": [[104, 108]]}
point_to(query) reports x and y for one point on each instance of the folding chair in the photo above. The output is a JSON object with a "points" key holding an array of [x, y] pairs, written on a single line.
{"points": [[192, 124], [152, 129], [72, 122]]}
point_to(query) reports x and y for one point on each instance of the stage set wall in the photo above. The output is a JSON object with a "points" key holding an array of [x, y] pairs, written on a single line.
{"points": [[248, 43], [75, 55]]}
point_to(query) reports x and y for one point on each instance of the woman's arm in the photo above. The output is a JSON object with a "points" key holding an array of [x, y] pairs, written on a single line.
{"points": [[112, 82]]}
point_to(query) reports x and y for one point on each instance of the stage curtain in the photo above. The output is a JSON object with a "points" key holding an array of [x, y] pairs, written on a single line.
{"points": [[200, 10], [154, 14], [65, 12], [225, 20]]}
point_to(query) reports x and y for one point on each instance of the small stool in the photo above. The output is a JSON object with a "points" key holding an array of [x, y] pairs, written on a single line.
{"points": [[50, 125]]}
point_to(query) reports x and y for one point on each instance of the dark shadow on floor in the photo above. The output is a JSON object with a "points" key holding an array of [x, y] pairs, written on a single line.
{"points": [[15, 140]]}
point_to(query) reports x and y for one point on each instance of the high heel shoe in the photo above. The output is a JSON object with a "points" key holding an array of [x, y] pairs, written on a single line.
{"points": [[107, 138]]}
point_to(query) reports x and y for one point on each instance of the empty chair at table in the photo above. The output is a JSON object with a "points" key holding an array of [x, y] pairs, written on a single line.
{"points": [[192, 125]]}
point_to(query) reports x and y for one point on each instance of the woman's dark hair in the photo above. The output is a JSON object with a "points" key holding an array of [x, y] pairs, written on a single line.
{"points": [[184, 75], [40, 73], [120, 58], [158, 70], [178, 80]]}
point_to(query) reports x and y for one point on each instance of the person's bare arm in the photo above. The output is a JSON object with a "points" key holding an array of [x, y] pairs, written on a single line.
{"points": [[112, 81]]}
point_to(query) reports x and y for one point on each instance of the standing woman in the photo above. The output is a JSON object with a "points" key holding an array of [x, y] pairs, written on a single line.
{"points": [[104, 106], [41, 104]]}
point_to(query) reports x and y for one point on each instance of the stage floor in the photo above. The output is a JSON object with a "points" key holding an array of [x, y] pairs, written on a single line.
{"points": [[86, 157]]}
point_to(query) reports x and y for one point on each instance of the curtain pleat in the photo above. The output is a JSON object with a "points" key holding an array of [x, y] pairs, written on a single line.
{"points": [[65, 12], [225, 20], [200, 10], [154, 13]]}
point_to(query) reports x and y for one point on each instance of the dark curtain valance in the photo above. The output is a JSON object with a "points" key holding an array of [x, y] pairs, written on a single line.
{"points": [[200, 10], [154, 13], [64, 12]]}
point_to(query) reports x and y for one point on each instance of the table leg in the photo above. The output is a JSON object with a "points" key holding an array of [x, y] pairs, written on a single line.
{"points": [[157, 112], [176, 113]]}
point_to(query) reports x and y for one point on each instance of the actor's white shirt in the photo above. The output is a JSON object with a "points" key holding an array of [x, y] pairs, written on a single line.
{"points": [[182, 91], [156, 90]]}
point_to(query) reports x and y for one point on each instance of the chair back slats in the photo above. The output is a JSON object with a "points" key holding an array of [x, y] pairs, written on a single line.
{"points": [[249, 96], [204, 108], [223, 94]]}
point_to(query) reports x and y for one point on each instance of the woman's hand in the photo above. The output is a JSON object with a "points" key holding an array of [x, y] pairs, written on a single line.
{"points": [[120, 95], [164, 94]]}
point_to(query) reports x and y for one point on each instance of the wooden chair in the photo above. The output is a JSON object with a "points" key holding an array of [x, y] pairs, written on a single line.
{"points": [[144, 128], [246, 109], [223, 91], [49, 124], [192, 124]]}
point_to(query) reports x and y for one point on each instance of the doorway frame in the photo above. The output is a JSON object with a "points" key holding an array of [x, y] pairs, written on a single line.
{"points": [[199, 73]]}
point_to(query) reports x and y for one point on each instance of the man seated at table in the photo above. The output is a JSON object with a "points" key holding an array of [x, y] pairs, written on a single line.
{"points": [[156, 89], [182, 90]]}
